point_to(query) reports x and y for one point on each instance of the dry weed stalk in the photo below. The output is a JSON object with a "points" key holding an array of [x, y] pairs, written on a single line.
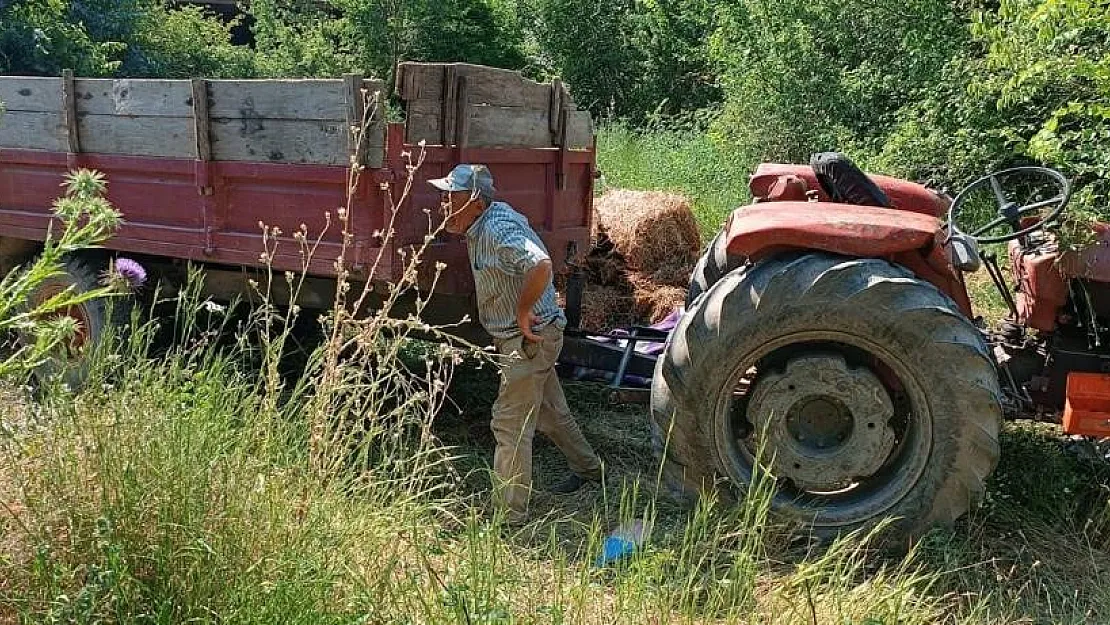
{"points": [[358, 388]]}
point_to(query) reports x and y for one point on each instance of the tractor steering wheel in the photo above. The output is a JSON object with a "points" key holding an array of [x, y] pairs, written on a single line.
{"points": [[1009, 212]]}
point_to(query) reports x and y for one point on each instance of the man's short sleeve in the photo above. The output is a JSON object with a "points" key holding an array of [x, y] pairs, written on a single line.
{"points": [[517, 253]]}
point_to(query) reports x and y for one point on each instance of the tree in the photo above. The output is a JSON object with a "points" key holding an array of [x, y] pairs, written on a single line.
{"points": [[807, 75], [590, 43], [132, 38], [475, 31]]}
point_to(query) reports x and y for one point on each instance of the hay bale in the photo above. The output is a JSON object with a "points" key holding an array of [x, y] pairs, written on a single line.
{"points": [[648, 228], [654, 301], [606, 271], [673, 274], [606, 307]]}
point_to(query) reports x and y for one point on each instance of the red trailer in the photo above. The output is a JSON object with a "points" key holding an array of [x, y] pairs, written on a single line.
{"points": [[196, 166]]}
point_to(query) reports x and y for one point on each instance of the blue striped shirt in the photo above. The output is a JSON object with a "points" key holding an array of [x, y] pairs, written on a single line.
{"points": [[503, 248]]}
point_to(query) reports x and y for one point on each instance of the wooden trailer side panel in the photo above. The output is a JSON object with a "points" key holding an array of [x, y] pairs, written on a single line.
{"points": [[196, 166], [476, 106], [274, 121]]}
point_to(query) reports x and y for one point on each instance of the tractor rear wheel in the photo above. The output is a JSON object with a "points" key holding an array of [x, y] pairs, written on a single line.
{"points": [[862, 389], [712, 265]]}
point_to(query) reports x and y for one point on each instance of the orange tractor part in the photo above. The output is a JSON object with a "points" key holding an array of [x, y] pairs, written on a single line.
{"points": [[1087, 408]]}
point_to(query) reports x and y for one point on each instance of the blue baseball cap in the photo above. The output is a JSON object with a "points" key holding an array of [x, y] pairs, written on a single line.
{"points": [[473, 178]]}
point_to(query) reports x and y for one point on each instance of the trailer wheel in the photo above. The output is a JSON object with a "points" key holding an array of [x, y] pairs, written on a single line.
{"points": [[713, 264], [97, 319], [867, 390]]}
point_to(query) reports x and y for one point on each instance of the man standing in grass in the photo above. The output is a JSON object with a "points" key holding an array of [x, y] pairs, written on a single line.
{"points": [[516, 305]]}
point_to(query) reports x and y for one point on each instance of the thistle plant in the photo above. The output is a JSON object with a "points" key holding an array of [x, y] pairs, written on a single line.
{"points": [[85, 219]]}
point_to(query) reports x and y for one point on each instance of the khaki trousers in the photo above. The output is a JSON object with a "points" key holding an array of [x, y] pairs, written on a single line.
{"points": [[531, 398]]}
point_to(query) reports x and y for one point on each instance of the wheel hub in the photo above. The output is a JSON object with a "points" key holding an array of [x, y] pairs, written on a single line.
{"points": [[826, 424]]}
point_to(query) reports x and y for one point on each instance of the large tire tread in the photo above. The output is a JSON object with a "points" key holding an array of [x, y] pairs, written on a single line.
{"points": [[893, 307]]}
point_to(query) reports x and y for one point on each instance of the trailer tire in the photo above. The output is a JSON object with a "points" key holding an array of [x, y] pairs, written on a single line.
{"points": [[885, 322], [100, 320]]}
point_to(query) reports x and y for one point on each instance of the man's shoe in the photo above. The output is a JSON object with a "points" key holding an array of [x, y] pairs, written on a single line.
{"points": [[570, 485]]}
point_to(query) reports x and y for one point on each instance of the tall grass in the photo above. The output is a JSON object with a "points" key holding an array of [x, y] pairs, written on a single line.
{"points": [[206, 485], [174, 494], [676, 159]]}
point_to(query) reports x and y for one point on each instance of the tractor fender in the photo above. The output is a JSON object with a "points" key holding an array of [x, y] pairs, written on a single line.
{"points": [[906, 238], [760, 230]]}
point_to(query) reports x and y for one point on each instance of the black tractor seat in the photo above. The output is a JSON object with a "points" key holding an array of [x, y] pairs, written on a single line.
{"points": [[844, 182]]}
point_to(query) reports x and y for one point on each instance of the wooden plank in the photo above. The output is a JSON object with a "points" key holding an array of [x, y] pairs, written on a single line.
{"points": [[69, 112], [580, 130], [202, 130], [492, 126], [285, 141], [423, 122], [40, 95], [356, 113], [280, 99], [138, 136], [448, 105], [488, 85], [556, 105], [134, 97], [462, 117], [30, 130]]}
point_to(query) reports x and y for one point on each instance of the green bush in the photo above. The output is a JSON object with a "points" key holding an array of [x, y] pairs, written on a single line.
{"points": [[39, 37], [630, 59], [372, 36], [133, 38], [804, 75]]}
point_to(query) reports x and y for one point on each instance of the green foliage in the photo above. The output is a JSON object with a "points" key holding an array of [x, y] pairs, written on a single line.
{"points": [[312, 38], [805, 75], [630, 58], [117, 38], [299, 39], [40, 37], [184, 43], [1033, 89], [675, 159], [1052, 61]]}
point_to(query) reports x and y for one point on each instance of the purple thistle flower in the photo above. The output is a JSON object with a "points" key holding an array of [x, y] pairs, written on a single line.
{"points": [[131, 271]]}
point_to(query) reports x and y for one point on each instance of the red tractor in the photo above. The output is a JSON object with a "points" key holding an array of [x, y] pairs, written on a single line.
{"points": [[829, 336]]}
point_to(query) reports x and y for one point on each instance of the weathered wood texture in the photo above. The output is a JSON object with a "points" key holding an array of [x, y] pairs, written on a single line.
{"points": [[283, 121], [501, 108]]}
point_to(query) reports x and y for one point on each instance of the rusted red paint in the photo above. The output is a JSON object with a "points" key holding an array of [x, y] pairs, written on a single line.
{"points": [[786, 188], [903, 194], [761, 229], [904, 238], [210, 211], [1041, 287]]}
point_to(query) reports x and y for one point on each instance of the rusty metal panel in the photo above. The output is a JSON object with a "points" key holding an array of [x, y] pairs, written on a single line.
{"points": [[210, 211], [865, 231]]}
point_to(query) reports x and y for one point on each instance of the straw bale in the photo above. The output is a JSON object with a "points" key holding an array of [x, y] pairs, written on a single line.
{"points": [[673, 274], [654, 301], [606, 307], [606, 270], [650, 229]]}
